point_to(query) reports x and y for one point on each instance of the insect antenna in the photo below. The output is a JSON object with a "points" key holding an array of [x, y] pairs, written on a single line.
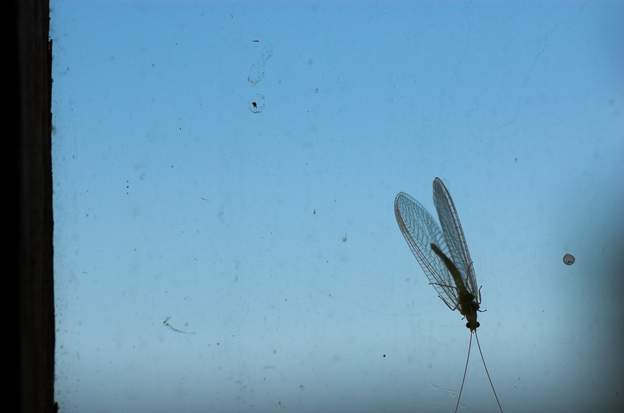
{"points": [[486, 372], [465, 370]]}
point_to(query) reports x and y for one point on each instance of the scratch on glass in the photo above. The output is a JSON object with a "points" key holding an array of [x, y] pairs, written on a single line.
{"points": [[172, 328]]}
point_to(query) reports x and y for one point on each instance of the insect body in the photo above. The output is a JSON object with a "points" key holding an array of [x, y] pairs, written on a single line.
{"points": [[466, 303], [443, 255]]}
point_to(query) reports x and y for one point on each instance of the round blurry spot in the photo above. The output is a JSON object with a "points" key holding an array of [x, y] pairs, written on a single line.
{"points": [[568, 259], [256, 104]]}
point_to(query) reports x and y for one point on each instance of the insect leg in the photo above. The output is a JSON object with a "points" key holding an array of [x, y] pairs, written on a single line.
{"points": [[479, 300]]}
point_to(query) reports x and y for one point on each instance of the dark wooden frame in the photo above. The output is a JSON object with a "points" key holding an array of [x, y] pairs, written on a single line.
{"points": [[33, 82]]}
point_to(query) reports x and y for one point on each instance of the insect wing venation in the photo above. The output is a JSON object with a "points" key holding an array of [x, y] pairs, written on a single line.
{"points": [[420, 230], [454, 236]]}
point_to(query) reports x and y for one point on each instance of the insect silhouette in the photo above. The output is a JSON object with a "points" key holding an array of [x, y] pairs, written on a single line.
{"points": [[444, 258]]}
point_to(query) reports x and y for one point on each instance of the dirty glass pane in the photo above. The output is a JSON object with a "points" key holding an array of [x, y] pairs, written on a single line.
{"points": [[224, 178]]}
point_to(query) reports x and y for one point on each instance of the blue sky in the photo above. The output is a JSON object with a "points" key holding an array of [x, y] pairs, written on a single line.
{"points": [[268, 237]]}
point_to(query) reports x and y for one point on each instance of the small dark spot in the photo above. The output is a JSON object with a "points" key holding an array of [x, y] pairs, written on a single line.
{"points": [[384, 356], [256, 41], [256, 104], [515, 159], [316, 90], [301, 387], [314, 212], [568, 259], [344, 238]]}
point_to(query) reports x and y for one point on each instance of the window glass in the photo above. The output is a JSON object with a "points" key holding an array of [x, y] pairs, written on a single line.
{"points": [[224, 178]]}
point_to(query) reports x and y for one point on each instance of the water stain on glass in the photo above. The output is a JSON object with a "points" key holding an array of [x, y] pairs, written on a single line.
{"points": [[568, 259], [256, 71]]}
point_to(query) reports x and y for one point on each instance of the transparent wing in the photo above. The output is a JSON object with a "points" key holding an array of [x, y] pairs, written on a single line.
{"points": [[421, 230], [454, 236]]}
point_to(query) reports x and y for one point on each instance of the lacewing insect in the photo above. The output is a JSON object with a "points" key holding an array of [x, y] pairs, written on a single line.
{"points": [[442, 253]]}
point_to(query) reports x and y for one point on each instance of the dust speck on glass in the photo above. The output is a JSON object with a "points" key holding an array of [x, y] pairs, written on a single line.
{"points": [[568, 259], [223, 184], [256, 104]]}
